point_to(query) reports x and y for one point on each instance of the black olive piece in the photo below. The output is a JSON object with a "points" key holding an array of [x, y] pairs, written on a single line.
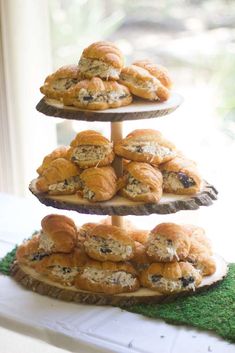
{"points": [[87, 98], [139, 149], [66, 182], [155, 278], [105, 250], [37, 257], [66, 269], [185, 180], [186, 280], [169, 242]]}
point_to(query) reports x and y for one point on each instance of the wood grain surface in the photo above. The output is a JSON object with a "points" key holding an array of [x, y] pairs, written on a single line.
{"points": [[138, 109], [120, 206], [33, 281]]}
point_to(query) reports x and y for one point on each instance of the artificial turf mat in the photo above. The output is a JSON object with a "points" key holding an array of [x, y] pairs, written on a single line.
{"points": [[212, 310]]}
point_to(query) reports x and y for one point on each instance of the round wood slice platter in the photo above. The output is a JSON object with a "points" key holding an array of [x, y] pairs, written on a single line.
{"points": [[121, 206], [138, 109], [35, 282]]}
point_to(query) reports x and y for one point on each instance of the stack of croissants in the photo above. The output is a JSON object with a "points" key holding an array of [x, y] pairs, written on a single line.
{"points": [[103, 258], [151, 165], [101, 81]]}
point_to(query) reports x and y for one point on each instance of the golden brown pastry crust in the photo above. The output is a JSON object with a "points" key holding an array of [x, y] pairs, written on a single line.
{"points": [[101, 59], [61, 231], [184, 166], [26, 251], [140, 260], [142, 137], [174, 272], [91, 138], [138, 235], [58, 170], [105, 51], [200, 257], [103, 286], [198, 234], [168, 242], [59, 152], [102, 182], [69, 72], [96, 94], [103, 238], [158, 71], [142, 84], [62, 268], [146, 175]]}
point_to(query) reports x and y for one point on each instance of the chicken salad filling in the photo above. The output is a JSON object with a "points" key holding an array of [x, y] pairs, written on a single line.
{"points": [[85, 96], [70, 185], [135, 187], [170, 285], [63, 84], [121, 278], [94, 67], [108, 246], [150, 148], [90, 153], [175, 181], [163, 248]]}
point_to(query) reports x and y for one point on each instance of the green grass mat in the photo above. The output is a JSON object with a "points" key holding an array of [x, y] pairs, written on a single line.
{"points": [[5, 262], [212, 310]]}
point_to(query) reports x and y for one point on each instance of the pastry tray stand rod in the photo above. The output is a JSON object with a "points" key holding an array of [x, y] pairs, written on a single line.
{"points": [[116, 135]]}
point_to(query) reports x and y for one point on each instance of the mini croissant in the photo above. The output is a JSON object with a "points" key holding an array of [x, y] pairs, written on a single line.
{"points": [[98, 184], [61, 177], [171, 277], [91, 149], [101, 59], [59, 234], [145, 145], [59, 152], [141, 182], [60, 81], [180, 176], [158, 71]]}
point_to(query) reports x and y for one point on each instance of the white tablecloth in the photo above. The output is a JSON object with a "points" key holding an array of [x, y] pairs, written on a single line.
{"points": [[73, 327]]}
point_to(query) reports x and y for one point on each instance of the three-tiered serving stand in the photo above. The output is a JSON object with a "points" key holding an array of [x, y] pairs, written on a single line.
{"points": [[118, 206]]}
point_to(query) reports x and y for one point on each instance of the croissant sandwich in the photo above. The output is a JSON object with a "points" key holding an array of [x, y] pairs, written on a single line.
{"points": [[168, 242], [180, 176], [98, 184], [141, 182], [101, 59], [96, 94], [109, 243], [60, 177], [169, 278], [91, 149], [60, 81], [142, 84], [107, 277], [145, 145]]}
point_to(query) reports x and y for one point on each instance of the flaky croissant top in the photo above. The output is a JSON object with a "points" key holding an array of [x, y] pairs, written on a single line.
{"points": [[105, 51], [58, 170], [90, 137], [145, 173]]}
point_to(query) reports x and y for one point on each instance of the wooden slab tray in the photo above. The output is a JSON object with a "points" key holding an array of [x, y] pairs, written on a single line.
{"points": [[138, 109], [120, 206], [33, 281]]}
